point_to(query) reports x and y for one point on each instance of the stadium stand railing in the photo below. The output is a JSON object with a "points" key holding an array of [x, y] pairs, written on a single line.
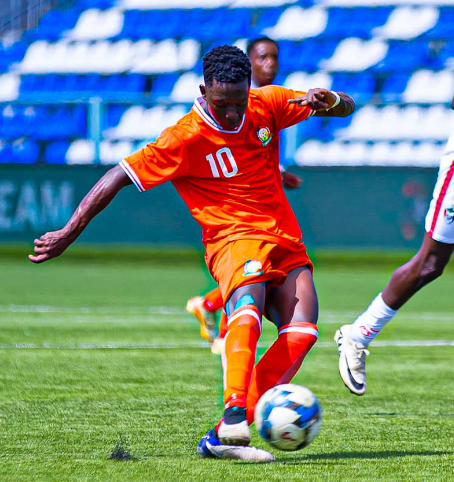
{"points": [[98, 78]]}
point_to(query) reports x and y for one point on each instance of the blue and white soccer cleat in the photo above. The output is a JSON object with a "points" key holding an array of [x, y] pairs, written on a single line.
{"points": [[352, 361], [211, 447]]}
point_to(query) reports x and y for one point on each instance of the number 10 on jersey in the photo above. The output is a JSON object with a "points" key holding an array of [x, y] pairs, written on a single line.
{"points": [[228, 169]]}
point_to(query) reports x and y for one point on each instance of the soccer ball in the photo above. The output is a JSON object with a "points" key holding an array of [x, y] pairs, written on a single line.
{"points": [[288, 417]]}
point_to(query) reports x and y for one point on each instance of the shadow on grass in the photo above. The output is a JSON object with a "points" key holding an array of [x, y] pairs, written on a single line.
{"points": [[340, 456]]}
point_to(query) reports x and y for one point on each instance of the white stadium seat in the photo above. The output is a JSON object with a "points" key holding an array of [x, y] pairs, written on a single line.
{"points": [[186, 87], [408, 22], [297, 23], [94, 24], [9, 87], [354, 55], [431, 87], [305, 81]]}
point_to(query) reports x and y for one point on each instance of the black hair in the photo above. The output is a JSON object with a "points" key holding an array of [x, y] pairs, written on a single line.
{"points": [[226, 64], [252, 43]]}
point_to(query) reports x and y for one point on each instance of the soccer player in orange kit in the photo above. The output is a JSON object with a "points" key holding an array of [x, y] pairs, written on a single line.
{"points": [[263, 53], [222, 157]]}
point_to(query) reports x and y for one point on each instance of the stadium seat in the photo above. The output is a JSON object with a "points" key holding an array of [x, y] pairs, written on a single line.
{"points": [[408, 22], [404, 56], [394, 87], [55, 152], [297, 23], [360, 86], [305, 81], [431, 87], [186, 88], [354, 55], [95, 24], [24, 151], [9, 87], [163, 85], [443, 28], [355, 22]]}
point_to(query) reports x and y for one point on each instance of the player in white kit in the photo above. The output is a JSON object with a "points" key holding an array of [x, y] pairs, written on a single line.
{"points": [[427, 265]]}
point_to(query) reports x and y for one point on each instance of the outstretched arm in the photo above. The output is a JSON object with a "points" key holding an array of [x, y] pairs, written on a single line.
{"points": [[326, 103], [53, 244]]}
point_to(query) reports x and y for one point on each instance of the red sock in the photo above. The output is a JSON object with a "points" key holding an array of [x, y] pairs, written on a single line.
{"points": [[281, 361], [212, 301], [244, 328]]}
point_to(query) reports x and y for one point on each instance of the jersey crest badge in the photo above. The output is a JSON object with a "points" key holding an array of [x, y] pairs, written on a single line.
{"points": [[252, 267], [265, 136], [449, 215]]}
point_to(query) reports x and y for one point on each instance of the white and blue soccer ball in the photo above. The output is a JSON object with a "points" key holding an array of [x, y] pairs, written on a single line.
{"points": [[288, 417]]}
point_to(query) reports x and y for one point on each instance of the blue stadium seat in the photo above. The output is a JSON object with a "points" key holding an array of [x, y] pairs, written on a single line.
{"points": [[355, 22], [24, 151], [333, 124], [163, 85], [361, 86], [28, 84], [112, 115], [393, 87], [445, 56], [5, 153], [13, 123], [443, 29], [151, 24], [52, 24], [100, 4], [55, 152], [405, 56], [10, 55], [304, 55], [264, 18], [312, 128]]}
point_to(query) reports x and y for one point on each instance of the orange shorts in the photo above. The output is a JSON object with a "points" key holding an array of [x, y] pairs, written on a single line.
{"points": [[249, 261]]}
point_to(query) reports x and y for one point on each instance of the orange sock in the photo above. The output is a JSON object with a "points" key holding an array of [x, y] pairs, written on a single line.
{"points": [[212, 301], [244, 328], [281, 361], [223, 325]]}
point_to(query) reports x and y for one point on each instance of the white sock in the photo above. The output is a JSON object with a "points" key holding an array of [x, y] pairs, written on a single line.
{"points": [[372, 321]]}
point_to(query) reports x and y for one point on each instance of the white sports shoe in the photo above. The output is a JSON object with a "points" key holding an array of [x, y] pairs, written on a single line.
{"points": [[234, 434], [210, 447], [352, 361]]}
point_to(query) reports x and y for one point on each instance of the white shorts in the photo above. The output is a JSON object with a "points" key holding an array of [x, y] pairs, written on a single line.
{"points": [[440, 217]]}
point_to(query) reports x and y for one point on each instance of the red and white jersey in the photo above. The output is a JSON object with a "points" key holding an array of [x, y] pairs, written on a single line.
{"points": [[440, 217], [230, 180]]}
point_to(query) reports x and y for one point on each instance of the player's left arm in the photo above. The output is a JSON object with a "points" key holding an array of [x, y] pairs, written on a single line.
{"points": [[326, 103]]}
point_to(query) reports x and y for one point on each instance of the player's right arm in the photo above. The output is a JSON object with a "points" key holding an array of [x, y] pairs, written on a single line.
{"points": [[53, 244]]}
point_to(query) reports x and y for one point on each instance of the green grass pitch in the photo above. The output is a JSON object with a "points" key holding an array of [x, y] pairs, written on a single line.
{"points": [[100, 356]]}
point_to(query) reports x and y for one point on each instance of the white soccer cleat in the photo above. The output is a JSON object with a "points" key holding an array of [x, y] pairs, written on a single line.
{"points": [[210, 447], [352, 361], [234, 434], [205, 318]]}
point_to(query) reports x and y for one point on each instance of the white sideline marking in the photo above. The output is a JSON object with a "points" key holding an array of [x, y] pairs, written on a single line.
{"points": [[326, 317], [180, 346], [155, 310]]}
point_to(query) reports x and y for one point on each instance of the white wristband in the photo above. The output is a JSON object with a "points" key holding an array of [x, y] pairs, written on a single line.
{"points": [[338, 99]]}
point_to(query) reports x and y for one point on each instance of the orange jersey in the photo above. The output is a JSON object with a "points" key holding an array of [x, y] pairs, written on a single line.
{"points": [[230, 180]]}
